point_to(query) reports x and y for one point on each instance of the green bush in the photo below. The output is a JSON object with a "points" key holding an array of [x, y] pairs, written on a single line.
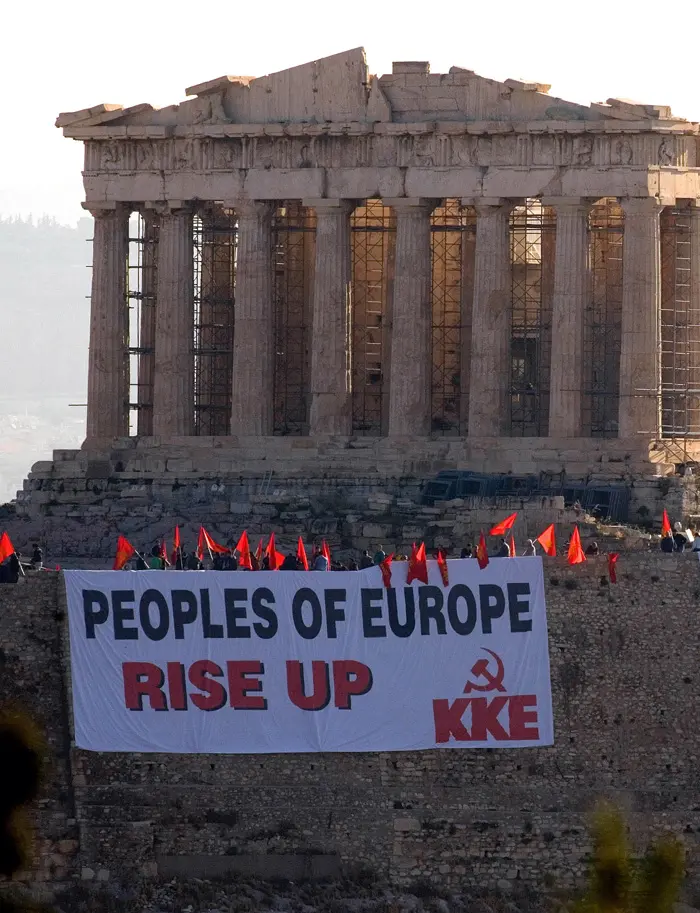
{"points": [[620, 884]]}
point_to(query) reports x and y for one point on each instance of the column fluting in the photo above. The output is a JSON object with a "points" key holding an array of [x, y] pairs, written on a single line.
{"points": [[173, 387], [108, 364], [489, 384], [252, 401], [571, 287], [411, 369], [331, 352], [640, 359]]}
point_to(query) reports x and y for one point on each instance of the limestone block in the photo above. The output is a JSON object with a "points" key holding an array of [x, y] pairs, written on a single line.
{"points": [[406, 825], [184, 185], [364, 183], [148, 186], [136, 491], [180, 465], [514, 183], [376, 530], [60, 456], [443, 182], [284, 184], [42, 468]]}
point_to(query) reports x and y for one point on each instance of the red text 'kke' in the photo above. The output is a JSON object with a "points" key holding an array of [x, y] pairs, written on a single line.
{"points": [[490, 720]]}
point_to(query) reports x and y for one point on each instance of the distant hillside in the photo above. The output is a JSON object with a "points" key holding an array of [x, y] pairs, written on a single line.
{"points": [[45, 311], [44, 306]]}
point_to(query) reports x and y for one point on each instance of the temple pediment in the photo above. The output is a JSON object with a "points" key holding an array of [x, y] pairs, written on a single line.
{"points": [[339, 89]]}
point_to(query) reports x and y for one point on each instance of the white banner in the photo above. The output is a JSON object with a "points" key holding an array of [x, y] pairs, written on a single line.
{"points": [[257, 662]]}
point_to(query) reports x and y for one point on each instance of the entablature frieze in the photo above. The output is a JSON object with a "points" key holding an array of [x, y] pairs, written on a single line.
{"points": [[428, 149]]}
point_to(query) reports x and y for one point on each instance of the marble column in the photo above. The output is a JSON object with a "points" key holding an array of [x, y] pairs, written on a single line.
{"points": [[640, 357], [411, 330], [489, 383], [108, 365], [173, 388], [571, 287], [252, 400], [331, 351]]}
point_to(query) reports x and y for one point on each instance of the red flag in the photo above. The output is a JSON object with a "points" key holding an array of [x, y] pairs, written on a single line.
{"points": [[243, 549], [274, 558], [326, 552], [385, 568], [576, 555], [548, 542], [163, 552], [301, 554], [482, 555], [206, 541], [612, 571], [665, 525], [6, 547], [125, 550], [259, 552], [442, 567], [500, 529], [417, 564], [177, 545], [511, 547]]}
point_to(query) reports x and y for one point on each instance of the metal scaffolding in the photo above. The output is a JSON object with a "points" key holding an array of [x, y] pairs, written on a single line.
{"points": [[373, 235], [449, 225], [680, 336], [532, 238], [214, 239], [293, 246], [142, 274]]}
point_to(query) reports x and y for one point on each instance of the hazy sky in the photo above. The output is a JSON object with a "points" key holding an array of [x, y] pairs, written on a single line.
{"points": [[69, 55]]}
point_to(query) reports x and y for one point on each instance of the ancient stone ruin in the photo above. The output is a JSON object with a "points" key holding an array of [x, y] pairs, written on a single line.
{"points": [[322, 274]]}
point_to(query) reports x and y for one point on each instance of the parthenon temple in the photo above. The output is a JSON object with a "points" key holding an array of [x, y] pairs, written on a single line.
{"points": [[439, 270]]}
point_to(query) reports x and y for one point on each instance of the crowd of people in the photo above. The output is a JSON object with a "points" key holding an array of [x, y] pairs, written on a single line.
{"points": [[183, 560], [217, 558]]}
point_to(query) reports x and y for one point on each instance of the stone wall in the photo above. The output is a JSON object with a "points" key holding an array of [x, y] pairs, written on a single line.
{"points": [[76, 509], [624, 673]]}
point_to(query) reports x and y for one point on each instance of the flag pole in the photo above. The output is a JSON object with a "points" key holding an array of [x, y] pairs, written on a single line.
{"points": [[21, 569]]}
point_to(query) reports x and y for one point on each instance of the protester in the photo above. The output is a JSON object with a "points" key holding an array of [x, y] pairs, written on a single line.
{"points": [[14, 567], [466, 551], [352, 565], [530, 550], [37, 558], [319, 562], [680, 540], [366, 560], [667, 544], [193, 562], [379, 555], [592, 549], [156, 562], [503, 550], [290, 563]]}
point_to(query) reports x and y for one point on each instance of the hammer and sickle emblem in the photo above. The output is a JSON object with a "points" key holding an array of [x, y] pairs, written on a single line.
{"points": [[480, 669]]}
